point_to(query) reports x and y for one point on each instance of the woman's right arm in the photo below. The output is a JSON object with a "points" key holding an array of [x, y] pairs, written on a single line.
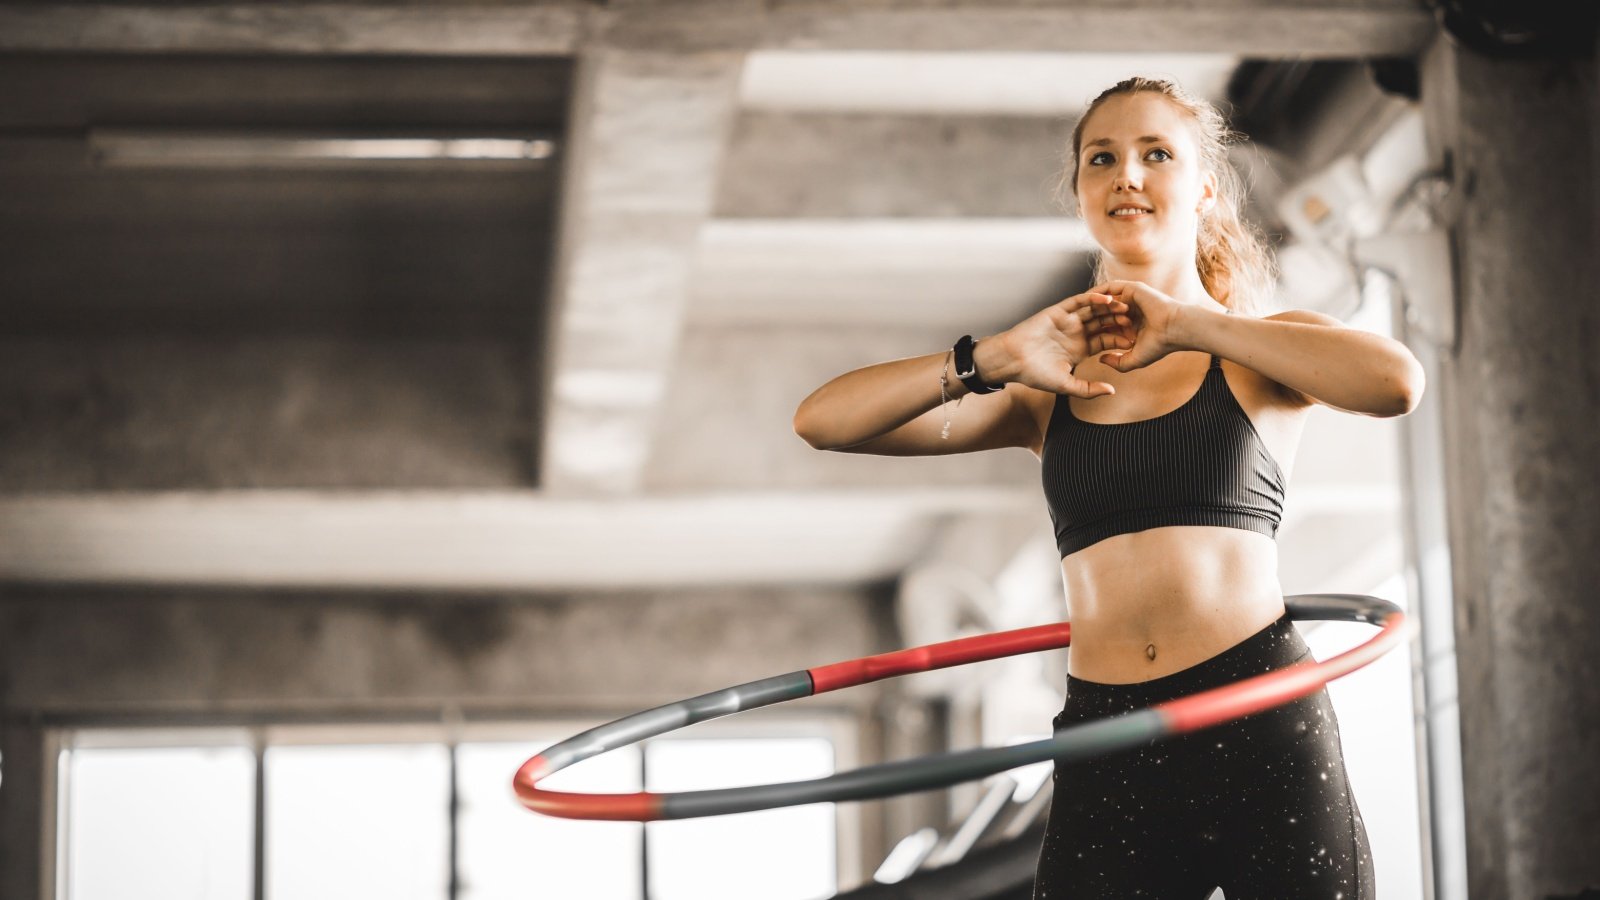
{"points": [[893, 408]]}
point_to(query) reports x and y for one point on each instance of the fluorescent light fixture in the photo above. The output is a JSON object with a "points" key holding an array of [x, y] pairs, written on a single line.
{"points": [[184, 149]]}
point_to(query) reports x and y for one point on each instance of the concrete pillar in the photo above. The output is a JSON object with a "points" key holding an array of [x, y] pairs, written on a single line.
{"points": [[22, 809], [1520, 396]]}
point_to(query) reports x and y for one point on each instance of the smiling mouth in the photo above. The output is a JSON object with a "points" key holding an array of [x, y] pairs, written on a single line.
{"points": [[1131, 214]]}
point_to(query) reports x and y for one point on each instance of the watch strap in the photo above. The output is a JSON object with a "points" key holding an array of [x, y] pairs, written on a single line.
{"points": [[967, 368]]}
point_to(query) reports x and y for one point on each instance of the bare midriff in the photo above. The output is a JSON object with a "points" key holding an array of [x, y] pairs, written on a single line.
{"points": [[1155, 602]]}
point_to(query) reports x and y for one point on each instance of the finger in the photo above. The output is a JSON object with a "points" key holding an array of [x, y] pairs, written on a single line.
{"points": [[1090, 304], [1122, 362], [1109, 325], [1112, 323], [1103, 309], [1104, 342], [1089, 390]]}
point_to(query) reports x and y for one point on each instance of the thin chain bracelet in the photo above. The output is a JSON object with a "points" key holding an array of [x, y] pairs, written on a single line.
{"points": [[944, 395]]}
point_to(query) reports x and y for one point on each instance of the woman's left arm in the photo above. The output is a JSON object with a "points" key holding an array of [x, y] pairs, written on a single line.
{"points": [[1311, 355]]}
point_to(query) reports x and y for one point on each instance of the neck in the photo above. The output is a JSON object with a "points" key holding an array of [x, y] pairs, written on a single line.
{"points": [[1177, 278]]}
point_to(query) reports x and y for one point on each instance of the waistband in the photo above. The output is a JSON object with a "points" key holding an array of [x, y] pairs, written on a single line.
{"points": [[1274, 647]]}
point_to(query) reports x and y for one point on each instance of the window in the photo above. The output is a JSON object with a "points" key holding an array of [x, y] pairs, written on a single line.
{"points": [[507, 852], [357, 820], [173, 822], [794, 858], [409, 812]]}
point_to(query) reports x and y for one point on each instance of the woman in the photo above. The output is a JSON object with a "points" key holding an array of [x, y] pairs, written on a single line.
{"points": [[1166, 425]]}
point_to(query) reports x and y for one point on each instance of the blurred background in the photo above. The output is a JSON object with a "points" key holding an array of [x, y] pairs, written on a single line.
{"points": [[389, 390]]}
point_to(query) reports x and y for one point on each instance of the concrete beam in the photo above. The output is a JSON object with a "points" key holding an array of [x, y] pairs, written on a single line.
{"points": [[1325, 28], [647, 143], [958, 86], [473, 541]]}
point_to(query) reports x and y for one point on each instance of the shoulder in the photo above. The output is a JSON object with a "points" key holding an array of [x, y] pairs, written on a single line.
{"points": [[1304, 317]]}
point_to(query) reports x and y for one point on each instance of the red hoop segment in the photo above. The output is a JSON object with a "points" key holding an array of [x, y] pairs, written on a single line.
{"points": [[1263, 692], [940, 656]]}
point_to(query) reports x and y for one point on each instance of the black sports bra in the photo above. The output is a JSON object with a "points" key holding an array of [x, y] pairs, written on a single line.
{"points": [[1201, 464]]}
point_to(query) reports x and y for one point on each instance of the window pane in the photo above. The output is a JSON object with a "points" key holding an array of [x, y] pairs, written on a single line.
{"points": [[160, 823], [777, 854], [508, 852], [358, 821]]}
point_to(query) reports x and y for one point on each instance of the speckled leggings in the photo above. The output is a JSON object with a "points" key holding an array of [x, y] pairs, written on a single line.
{"points": [[1259, 806]]}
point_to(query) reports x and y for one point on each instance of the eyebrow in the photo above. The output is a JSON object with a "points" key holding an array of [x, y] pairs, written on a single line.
{"points": [[1147, 139]]}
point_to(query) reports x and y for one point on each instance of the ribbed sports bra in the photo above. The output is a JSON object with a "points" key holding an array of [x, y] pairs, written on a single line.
{"points": [[1201, 464]]}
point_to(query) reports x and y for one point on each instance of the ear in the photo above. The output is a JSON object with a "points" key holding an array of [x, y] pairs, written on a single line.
{"points": [[1208, 193]]}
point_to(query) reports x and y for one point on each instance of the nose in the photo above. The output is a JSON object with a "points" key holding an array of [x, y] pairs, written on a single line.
{"points": [[1127, 179]]}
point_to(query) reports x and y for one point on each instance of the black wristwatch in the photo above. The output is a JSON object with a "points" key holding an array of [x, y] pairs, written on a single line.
{"points": [[967, 370]]}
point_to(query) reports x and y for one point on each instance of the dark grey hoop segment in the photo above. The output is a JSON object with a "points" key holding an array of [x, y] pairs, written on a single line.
{"points": [[1339, 608], [662, 719], [890, 779]]}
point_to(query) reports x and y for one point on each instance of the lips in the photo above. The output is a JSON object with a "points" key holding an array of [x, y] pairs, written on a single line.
{"points": [[1145, 210]]}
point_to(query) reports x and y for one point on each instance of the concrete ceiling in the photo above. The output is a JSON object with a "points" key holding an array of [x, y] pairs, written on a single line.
{"points": [[369, 247], [747, 201]]}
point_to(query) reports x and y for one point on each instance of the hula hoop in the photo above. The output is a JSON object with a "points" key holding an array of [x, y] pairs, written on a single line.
{"points": [[1091, 739]]}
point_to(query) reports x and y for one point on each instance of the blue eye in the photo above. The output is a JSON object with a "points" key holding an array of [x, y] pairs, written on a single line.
{"points": [[1094, 159]]}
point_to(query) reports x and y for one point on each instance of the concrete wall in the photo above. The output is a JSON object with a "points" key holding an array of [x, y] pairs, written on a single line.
{"points": [[720, 428], [174, 412], [72, 656]]}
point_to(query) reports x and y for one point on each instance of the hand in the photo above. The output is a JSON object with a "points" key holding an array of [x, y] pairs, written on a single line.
{"points": [[1048, 345], [1153, 315]]}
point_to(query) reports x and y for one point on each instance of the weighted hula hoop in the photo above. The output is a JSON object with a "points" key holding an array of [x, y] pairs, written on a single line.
{"points": [[1080, 742]]}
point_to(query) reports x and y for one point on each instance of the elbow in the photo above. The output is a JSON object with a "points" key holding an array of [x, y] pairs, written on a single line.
{"points": [[809, 430], [1408, 389]]}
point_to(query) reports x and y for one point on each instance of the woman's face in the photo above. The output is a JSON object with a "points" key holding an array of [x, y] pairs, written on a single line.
{"points": [[1139, 150]]}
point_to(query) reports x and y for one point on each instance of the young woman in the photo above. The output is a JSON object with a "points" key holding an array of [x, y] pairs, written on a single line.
{"points": [[1166, 417]]}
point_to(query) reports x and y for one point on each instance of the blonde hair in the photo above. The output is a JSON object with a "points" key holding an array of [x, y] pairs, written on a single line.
{"points": [[1231, 254]]}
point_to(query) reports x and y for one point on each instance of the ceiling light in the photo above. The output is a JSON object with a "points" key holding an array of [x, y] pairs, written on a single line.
{"points": [[185, 149]]}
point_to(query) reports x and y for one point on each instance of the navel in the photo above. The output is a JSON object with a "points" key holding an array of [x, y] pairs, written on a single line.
{"points": [[1150, 651]]}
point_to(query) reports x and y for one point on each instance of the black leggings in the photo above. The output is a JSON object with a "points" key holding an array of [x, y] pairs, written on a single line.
{"points": [[1259, 806]]}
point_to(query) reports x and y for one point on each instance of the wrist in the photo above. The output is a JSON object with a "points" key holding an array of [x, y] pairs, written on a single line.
{"points": [[995, 363], [1189, 327], [966, 367]]}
